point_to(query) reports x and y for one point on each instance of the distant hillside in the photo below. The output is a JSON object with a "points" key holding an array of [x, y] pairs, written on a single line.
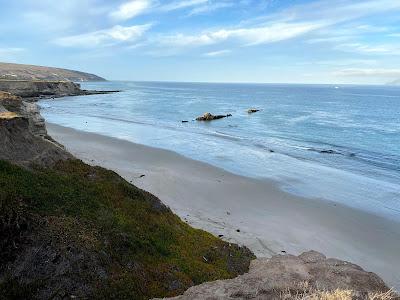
{"points": [[28, 72], [396, 82]]}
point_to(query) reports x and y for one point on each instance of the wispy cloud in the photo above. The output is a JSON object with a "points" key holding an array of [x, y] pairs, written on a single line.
{"points": [[10, 51], [384, 49], [384, 73], [245, 36], [175, 5], [217, 53], [130, 9], [210, 7], [106, 37]]}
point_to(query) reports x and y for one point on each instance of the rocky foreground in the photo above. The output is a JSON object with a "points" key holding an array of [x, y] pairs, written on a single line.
{"points": [[70, 230], [308, 276]]}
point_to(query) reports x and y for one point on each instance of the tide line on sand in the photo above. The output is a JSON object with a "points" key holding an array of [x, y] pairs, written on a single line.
{"points": [[243, 210]]}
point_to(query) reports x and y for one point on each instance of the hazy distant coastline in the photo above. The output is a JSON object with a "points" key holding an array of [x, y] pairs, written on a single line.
{"points": [[11, 71]]}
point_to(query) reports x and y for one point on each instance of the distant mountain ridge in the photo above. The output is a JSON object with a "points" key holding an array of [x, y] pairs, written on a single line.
{"points": [[29, 72], [396, 82]]}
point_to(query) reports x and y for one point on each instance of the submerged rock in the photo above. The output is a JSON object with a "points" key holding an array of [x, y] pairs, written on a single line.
{"points": [[209, 117], [253, 110], [302, 275]]}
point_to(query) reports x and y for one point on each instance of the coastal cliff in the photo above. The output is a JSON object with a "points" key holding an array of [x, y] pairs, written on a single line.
{"points": [[30, 89]]}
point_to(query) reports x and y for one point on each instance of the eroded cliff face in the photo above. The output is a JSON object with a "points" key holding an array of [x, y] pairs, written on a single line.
{"points": [[30, 89], [28, 110], [23, 134]]}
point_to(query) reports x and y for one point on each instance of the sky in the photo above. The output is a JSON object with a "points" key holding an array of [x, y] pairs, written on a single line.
{"points": [[263, 41]]}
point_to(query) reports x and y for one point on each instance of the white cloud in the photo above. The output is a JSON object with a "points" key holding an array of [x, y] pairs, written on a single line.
{"points": [[347, 62], [339, 11], [175, 5], [7, 51], [384, 49], [106, 37], [245, 36], [130, 9], [383, 73], [217, 53], [209, 7]]}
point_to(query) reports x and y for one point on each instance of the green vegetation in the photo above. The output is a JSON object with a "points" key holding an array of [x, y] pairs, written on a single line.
{"points": [[84, 231]]}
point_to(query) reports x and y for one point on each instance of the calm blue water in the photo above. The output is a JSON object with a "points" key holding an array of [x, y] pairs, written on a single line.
{"points": [[359, 125]]}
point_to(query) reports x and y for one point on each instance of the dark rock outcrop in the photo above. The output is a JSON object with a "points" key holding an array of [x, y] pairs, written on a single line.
{"points": [[33, 90], [30, 89], [209, 117], [305, 274]]}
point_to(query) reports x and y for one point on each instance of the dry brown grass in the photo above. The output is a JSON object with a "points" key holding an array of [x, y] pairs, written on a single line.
{"points": [[305, 292], [8, 115]]}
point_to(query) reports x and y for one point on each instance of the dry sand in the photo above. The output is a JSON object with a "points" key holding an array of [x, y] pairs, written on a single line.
{"points": [[252, 212]]}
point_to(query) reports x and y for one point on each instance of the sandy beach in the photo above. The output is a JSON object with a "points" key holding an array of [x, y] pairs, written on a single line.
{"points": [[243, 210]]}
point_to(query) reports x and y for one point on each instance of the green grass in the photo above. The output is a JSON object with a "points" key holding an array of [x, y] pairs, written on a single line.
{"points": [[144, 249]]}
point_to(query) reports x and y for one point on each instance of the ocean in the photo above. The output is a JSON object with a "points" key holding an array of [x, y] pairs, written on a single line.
{"points": [[335, 143]]}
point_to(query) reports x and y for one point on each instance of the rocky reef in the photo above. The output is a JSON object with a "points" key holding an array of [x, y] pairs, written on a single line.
{"points": [[307, 276], [29, 89], [32, 90], [252, 110], [209, 117]]}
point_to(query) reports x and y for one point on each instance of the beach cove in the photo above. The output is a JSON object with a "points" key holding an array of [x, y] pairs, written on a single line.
{"points": [[255, 213]]}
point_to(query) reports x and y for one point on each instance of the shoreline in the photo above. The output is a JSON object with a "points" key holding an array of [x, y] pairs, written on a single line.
{"points": [[269, 220]]}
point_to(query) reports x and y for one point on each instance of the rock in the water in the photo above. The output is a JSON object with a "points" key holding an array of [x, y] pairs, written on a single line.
{"points": [[252, 110], [301, 275], [209, 117]]}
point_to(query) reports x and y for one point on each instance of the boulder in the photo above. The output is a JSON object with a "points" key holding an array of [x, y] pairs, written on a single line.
{"points": [[305, 275], [209, 117]]}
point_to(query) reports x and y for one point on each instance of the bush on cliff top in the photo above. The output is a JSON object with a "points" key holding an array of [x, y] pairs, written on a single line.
{"points": [[84, 231]]}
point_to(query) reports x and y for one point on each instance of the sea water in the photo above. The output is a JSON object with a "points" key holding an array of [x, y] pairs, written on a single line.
{"points": [[335, 143]]}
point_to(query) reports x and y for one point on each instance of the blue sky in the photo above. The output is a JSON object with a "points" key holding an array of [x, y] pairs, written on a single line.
{"points": [[293, 41]]}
